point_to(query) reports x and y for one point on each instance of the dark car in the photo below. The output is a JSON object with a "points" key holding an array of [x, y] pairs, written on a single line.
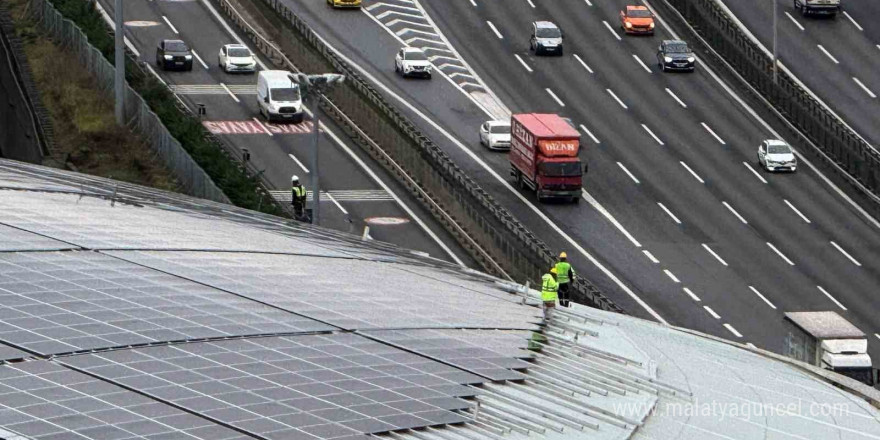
{"points": [[174, 55], [675, 55]]}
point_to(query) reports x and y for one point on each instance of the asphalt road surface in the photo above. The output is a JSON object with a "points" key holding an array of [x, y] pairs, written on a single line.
{"points": [[695, 234], [356, 192]]}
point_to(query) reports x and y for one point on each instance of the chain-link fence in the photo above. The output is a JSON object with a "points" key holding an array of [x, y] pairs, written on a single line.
{"points": [[140, 118]]}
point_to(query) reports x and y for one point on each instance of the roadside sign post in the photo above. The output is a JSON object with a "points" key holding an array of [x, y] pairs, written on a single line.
{"points": [[119, 83]]}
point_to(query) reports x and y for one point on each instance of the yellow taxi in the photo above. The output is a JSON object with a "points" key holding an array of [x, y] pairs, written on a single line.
{"points": [[344, 3]]}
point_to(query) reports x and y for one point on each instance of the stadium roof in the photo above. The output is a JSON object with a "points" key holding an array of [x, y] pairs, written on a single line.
{"points": [[131, 313]]}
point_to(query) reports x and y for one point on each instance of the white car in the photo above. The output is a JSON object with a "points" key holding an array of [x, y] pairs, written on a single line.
{"points": [[236, 58], [411, 61], [495, 135], [776, 155]]}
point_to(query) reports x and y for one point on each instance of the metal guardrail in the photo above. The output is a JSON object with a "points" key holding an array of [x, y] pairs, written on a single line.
{"points": [[853, 158], [66, 33], [482, 226]]}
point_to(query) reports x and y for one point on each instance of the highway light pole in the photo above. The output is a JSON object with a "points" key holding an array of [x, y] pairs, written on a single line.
{"points": [[313, 88], [119, 83], [775, 32]]}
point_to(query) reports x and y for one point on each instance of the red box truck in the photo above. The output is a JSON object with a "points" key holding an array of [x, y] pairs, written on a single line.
{"points": [[544, 156]]}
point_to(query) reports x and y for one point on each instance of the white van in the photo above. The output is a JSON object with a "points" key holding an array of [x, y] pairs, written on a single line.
{"points": [[278, 97]]}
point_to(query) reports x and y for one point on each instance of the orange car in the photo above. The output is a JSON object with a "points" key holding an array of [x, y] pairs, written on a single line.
{"points": [[637, 20]]}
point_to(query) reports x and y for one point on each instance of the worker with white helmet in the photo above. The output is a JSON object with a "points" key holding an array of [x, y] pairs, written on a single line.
{"points": [[297, 196]]}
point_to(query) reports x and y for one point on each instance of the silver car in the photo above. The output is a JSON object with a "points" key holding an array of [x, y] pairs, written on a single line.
{"points": [[495, 135], [776, 155]]}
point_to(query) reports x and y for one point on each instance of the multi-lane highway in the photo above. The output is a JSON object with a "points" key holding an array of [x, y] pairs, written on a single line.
{"points": [[357, 193], [685, 227], [838, 59]]}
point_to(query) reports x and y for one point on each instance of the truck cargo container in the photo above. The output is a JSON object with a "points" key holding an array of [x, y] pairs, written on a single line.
{"points": [[544, 156], [827, 340]]}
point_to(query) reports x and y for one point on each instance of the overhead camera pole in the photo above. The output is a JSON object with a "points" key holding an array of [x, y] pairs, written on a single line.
{"points": [[313, 88], [775, 32], [119, 83]]}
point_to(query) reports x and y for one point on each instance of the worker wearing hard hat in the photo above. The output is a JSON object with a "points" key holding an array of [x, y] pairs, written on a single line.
{"points": [[297, 196], [549, 286], [565, 276]]}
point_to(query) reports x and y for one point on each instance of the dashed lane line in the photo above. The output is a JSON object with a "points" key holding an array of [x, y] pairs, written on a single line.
{"points": [[691, 294], [651, 256], [733, 330], [610, 29], [631, 176], [652, 134], [583, 63], [828, 54], [494, 29], [790, 17], [846, 254], [168, 22], [260, 123], [611, 92], [677, 99], [201, 61], [711, 312], [298, 162], [521, 61], [760, 177], [642, 63], [671, 276], [864, 87], [589, 133], [668, 212], [714, 254], [796, 211], [753, 289], [235, 98], [693, 173], [856, 24], [335, 202], [712, 132], [733, 211], [833, 299], [778, 252], [555, 98]]}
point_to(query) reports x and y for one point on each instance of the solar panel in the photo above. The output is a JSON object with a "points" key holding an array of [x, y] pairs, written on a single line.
{"points": [[60, 302], [14, 239], [42, 400], [327, 386], [354, 296]]}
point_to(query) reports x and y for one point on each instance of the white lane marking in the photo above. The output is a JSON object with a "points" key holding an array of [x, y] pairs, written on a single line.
{"points": [[772, 131], [598, 207], [474, 3], [794, 21], [717, 257], [696, 176], [864, 87], [628, 173], [831, 297], [691, 294], [641, 63], [298, 162], [711, 312], [230, 93], [588, 3], [828, 54], [749, 344], [494, 29], [760, 177], [730, 208], [846, 254], [796, 211], [170, 25], [853, 21], [709, 129], [556, 98], [652, 134], [588, 132], [877, 335], [668, 212], [521, 61], [651, 257], [330, 196], [733, 330], [671, 276], [199, 59], [780, 254], [530, 3], [610, 29], [763, 297], [574, 244], [583, 63], [611, 92], [263, 127], [676, 98]]}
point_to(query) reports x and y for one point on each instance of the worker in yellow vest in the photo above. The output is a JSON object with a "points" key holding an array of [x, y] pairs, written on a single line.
{"points": [[549, 286], [565, 276], [297, 196]]}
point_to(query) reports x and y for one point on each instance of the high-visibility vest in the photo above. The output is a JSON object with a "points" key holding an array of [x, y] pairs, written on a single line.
{"points": [[562, 270], [299, 191], [549, 288]]}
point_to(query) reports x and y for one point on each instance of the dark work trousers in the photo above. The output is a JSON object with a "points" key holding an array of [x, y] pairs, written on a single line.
{"points": [[564, 294], [298, 206]]}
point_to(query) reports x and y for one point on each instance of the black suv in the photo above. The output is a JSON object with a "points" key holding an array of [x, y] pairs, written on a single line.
{"points": [[675, 55], [174, 55]]}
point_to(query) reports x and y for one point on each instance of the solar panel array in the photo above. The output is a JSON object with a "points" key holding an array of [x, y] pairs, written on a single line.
{"points": [[168, 317]]}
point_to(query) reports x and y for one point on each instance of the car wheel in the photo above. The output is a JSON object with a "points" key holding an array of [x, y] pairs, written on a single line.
{"points": [[576, 200], [429, 76]]}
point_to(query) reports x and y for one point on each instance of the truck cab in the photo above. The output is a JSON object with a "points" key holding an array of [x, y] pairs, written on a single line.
{"points": [[544, 156]]}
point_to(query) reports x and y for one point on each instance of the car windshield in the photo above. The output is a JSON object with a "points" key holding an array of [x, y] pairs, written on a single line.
{"points": [[778, 149], [638, 13], [549, 33], [677, 48], [561, 169], [239, 52], [499, 129], [285, 94], [415, 56], [176, 46]]}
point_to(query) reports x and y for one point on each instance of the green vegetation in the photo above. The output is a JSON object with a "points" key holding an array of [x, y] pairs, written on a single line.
{"points": [[242, 189]]}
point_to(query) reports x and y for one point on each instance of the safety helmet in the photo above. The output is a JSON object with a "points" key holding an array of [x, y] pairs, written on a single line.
{"points": [[294, 178], [553, 270], [563, 255]]}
